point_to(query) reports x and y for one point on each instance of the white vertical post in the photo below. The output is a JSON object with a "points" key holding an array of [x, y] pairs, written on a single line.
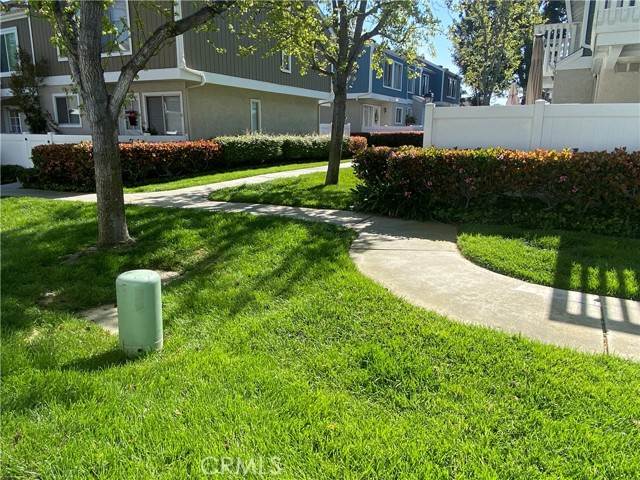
{"points": [[536, 127], [27, 150], [429, 111]]}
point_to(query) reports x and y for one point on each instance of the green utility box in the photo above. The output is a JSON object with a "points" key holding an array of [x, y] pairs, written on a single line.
{"points": [[139, 312]]}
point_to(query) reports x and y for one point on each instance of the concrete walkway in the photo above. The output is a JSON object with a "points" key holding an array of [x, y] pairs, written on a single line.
{"points": [[420, 262]]}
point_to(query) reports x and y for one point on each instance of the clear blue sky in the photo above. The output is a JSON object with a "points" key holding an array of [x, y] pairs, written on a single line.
{"points": [[441, 42]]}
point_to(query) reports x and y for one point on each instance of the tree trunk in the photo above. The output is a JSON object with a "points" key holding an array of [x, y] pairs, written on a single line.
{"points": [[337, 129], [112, 224]]}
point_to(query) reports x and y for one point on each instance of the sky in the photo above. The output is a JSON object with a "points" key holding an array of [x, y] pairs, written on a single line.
{"points": [[441, 43]]}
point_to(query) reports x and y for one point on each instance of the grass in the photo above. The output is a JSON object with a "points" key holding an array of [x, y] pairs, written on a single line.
{"points": [[303, 191], [276, 346], [221, 177], [570, 260]]}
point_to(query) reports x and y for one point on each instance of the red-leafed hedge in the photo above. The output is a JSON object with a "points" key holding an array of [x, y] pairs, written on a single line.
{"points": [[70, 166], [392, 139], [592, 191]]}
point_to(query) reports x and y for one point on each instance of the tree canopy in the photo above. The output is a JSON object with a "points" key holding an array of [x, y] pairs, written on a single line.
{"points": [[488, 39], [329, 36]]}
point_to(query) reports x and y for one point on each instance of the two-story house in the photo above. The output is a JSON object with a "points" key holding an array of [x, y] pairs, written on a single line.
{"points": [[188, 90], [399, 94], [595, 56]]}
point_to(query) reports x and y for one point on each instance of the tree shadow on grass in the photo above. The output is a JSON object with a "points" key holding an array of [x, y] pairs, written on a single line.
{"points": [[600, 309]]}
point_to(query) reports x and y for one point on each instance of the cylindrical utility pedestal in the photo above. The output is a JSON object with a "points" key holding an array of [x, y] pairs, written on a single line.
{"points": [[139, 311]]}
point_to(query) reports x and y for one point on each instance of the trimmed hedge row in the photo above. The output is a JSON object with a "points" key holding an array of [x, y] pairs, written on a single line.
{"points": [[258, 149], [392, 139], [70, 167], [591, 191]]}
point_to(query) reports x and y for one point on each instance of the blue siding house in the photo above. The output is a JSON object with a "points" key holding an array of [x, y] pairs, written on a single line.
{"points": [[394, 98]]}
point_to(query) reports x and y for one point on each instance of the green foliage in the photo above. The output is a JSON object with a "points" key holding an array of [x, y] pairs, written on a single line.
{"points": [[260, 149], [590, 191], [70, 167], [25, 83], [275, 345], [488, 40], [10, 173]]}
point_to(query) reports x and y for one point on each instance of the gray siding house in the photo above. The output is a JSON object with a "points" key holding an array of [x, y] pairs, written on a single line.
{"points": [[188, 90]]}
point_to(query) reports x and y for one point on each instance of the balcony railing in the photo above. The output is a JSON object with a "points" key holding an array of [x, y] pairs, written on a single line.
{"points": [[560, 41]]}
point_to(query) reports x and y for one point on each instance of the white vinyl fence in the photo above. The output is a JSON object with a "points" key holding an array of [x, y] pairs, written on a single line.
{"points": [[325, 129], [388, 129], [15, 148], [588, 127]]}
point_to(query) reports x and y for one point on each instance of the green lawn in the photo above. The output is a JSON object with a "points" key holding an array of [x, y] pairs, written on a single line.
{"points": [[571, 260], [303, 191], [276, 346], [221, 177]]}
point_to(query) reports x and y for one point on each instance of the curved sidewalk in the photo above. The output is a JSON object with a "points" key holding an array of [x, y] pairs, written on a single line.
{"points": [[420, 262]]}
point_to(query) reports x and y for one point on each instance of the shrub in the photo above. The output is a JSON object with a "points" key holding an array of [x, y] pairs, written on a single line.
{"points": [[259, 149], [592, 191], [70, 166], [10, 173], [393, 139]]}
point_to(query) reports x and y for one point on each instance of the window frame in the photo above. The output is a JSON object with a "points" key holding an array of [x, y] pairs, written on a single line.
{"points": [[285, 67], [146, 95], [6, 31], [255, 101], [451, 87], [118, 53], [401, 111], [54, 96], [392, 81], [424, 86]]}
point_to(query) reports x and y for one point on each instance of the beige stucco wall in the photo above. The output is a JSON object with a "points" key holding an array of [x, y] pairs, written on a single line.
{"points": [[618, 87], [215, 110], [573, 86]]}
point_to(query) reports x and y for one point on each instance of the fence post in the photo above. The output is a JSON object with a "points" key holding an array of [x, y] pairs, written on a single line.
{"points": [[429, 110], [536, 125]]}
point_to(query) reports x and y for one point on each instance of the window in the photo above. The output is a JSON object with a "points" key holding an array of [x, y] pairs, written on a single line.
{"points": [[424, 84], [399, 116], [256, 120], [118, 43], [15, 123], [67, 111], [392, 75], [285, 64], [130, 121], [164, 114], [370, 116], [451, 87], [412, 82], [8, 51]]}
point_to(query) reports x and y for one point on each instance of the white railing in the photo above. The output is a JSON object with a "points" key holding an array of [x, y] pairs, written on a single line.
{"points": [[560, 41], [588, 127], [388, 129], [325, 129], [617, 16], [15, 148]]}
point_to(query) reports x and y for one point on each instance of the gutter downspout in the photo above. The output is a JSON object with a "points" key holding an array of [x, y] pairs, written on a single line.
{"points": [[182, 65]]}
